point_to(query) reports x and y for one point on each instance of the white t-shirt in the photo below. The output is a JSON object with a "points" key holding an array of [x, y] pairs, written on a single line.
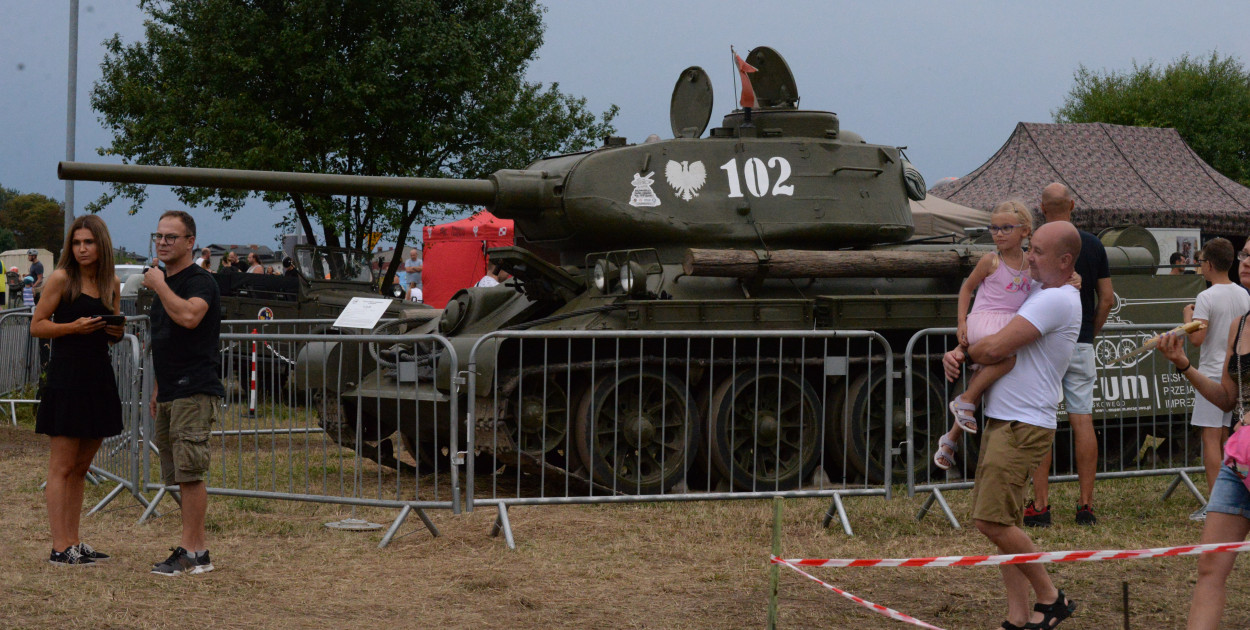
{"points": [[1220, 305], [414, 294], [487, 281], [1031, 391]]}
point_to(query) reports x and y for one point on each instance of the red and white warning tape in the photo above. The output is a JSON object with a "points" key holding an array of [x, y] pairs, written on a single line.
{"points": [[877, 608], [972, 561], [1023, 558]]}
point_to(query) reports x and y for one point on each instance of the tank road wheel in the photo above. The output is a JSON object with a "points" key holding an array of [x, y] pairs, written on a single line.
{"points": [[864, 444], [637, 434], [765, 429], [542, 417]]}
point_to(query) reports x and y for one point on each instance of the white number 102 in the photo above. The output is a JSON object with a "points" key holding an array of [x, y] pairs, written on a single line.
{"points": [[756, 176]]}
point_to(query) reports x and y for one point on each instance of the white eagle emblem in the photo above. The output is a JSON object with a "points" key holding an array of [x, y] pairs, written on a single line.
{"points": [[685, 180]]}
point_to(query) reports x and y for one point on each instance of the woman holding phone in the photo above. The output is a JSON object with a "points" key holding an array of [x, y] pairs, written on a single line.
{"points": [[79, 404]]}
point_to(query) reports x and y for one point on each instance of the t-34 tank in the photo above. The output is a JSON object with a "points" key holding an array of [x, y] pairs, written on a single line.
{"points": [[777, 219]]}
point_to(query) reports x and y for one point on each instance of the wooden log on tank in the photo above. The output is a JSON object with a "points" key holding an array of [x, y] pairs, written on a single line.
{"points": [[794, 263]]}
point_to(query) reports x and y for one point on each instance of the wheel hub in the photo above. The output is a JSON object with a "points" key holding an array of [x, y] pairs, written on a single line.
{"points": [[767, 428], [639, 430], [531, 414]]}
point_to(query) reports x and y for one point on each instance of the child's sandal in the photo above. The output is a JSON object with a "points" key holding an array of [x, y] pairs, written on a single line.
{"points": [[944, 458], [1054, 612], [963, 414]]}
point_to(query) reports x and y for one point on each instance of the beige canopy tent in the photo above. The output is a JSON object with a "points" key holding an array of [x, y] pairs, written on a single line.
{"points": [[936, 216]]}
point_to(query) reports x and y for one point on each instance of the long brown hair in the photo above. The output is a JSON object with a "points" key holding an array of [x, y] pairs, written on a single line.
{"points": [[105, 274]]}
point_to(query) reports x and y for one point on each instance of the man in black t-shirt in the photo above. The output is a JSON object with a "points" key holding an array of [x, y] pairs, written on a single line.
{"points": [[1097, 297], [186, 324], [36, 272]]}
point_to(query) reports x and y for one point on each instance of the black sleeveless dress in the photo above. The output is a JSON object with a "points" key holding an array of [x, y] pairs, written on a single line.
{"points": [[80, 397]]}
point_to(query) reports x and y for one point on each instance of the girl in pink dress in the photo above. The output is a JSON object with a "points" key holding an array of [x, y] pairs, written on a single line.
{"points": [[1002, 283]]}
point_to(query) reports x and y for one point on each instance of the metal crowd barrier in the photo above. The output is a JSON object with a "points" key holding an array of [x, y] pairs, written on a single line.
{"points": [[20, 363], [1141, 418], [119, 459], [559, 417], [342, 420]]}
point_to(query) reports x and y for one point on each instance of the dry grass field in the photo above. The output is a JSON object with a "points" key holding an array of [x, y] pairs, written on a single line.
{"points": [[672, 565]]}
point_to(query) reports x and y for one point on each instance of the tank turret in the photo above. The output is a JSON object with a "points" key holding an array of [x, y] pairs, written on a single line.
{"points": [[771, 177]]}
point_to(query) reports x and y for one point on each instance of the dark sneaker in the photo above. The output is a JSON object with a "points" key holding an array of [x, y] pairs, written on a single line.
{"points": [[1085, 515], [87, 552], [1034, 517], [71, 557], [181, 561]]}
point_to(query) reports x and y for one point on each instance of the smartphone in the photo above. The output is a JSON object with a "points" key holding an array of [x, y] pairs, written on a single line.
{"points": [[113, 320]]}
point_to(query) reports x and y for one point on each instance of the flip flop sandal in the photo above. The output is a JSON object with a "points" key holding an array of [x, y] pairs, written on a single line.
{"points": [[1007, 625], [940, 459], [1054, 612], [963, 414]]}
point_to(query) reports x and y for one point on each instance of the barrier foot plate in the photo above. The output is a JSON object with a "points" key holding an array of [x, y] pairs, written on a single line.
{"points": [[502, 525], [354, 525]]}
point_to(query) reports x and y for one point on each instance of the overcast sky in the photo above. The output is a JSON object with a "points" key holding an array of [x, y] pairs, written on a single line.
{"points": [[949, 80]]}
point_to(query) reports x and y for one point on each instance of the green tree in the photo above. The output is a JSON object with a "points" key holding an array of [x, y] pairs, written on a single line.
{"points": [[32, 220], [424, 88], [1207, 101], [7, 240]]}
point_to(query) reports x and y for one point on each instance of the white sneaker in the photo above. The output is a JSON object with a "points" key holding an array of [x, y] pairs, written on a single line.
{"points": [[1199, 515]]}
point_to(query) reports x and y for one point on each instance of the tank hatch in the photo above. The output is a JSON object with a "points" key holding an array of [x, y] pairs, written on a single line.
{"points": [[691, 105], [772, 80]]}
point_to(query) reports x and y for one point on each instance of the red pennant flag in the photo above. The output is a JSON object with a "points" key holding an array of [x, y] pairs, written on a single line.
{"points": [[748, 92]]}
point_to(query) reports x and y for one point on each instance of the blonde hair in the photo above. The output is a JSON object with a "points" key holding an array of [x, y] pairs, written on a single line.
{"points": [[105, 280], [1022, 214]]}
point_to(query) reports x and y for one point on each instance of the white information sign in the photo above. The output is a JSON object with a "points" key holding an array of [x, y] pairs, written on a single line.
{"points": [[362, 312]]}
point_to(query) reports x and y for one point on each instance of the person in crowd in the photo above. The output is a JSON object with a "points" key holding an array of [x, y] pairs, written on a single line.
{"points": [[229, 263], [205, 259], [1020, 417], [1177, 260], [288, 268], [1002, 283], [14, 281], [1228, 509], [186, 325], [1217, 306], [1097, 296], [253, 263], [79, 404], [28, 291], [494, 275], [36, 272], [412, 270]]}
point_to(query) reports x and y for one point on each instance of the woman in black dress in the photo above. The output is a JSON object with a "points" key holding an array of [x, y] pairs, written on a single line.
{"points": [[80, 406]]}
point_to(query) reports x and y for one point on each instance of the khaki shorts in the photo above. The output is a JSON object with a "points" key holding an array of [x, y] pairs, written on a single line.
{"points": [[182, 428], [1009, 453]]}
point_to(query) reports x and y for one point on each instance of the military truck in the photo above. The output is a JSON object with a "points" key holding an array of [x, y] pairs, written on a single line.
{"points": [[779, 219]]}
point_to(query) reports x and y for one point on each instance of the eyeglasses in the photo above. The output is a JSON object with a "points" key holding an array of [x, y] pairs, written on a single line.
{"points": [[168, 238], [1242, 255], [995, 229], [1199, 261]]}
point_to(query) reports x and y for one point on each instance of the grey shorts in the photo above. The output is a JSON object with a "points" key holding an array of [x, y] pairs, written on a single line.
{"points": [[1078, 381], [182, 428]]}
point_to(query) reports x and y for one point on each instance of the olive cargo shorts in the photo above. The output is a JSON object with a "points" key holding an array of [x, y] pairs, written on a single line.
{"points": [[1009, 453], [182, 428]]}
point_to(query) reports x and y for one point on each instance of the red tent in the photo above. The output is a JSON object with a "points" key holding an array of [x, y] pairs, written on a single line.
{"points": [[455, 254]]}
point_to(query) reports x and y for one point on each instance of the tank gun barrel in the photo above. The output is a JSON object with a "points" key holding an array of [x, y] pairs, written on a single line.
{"points": [[480, 192]]}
